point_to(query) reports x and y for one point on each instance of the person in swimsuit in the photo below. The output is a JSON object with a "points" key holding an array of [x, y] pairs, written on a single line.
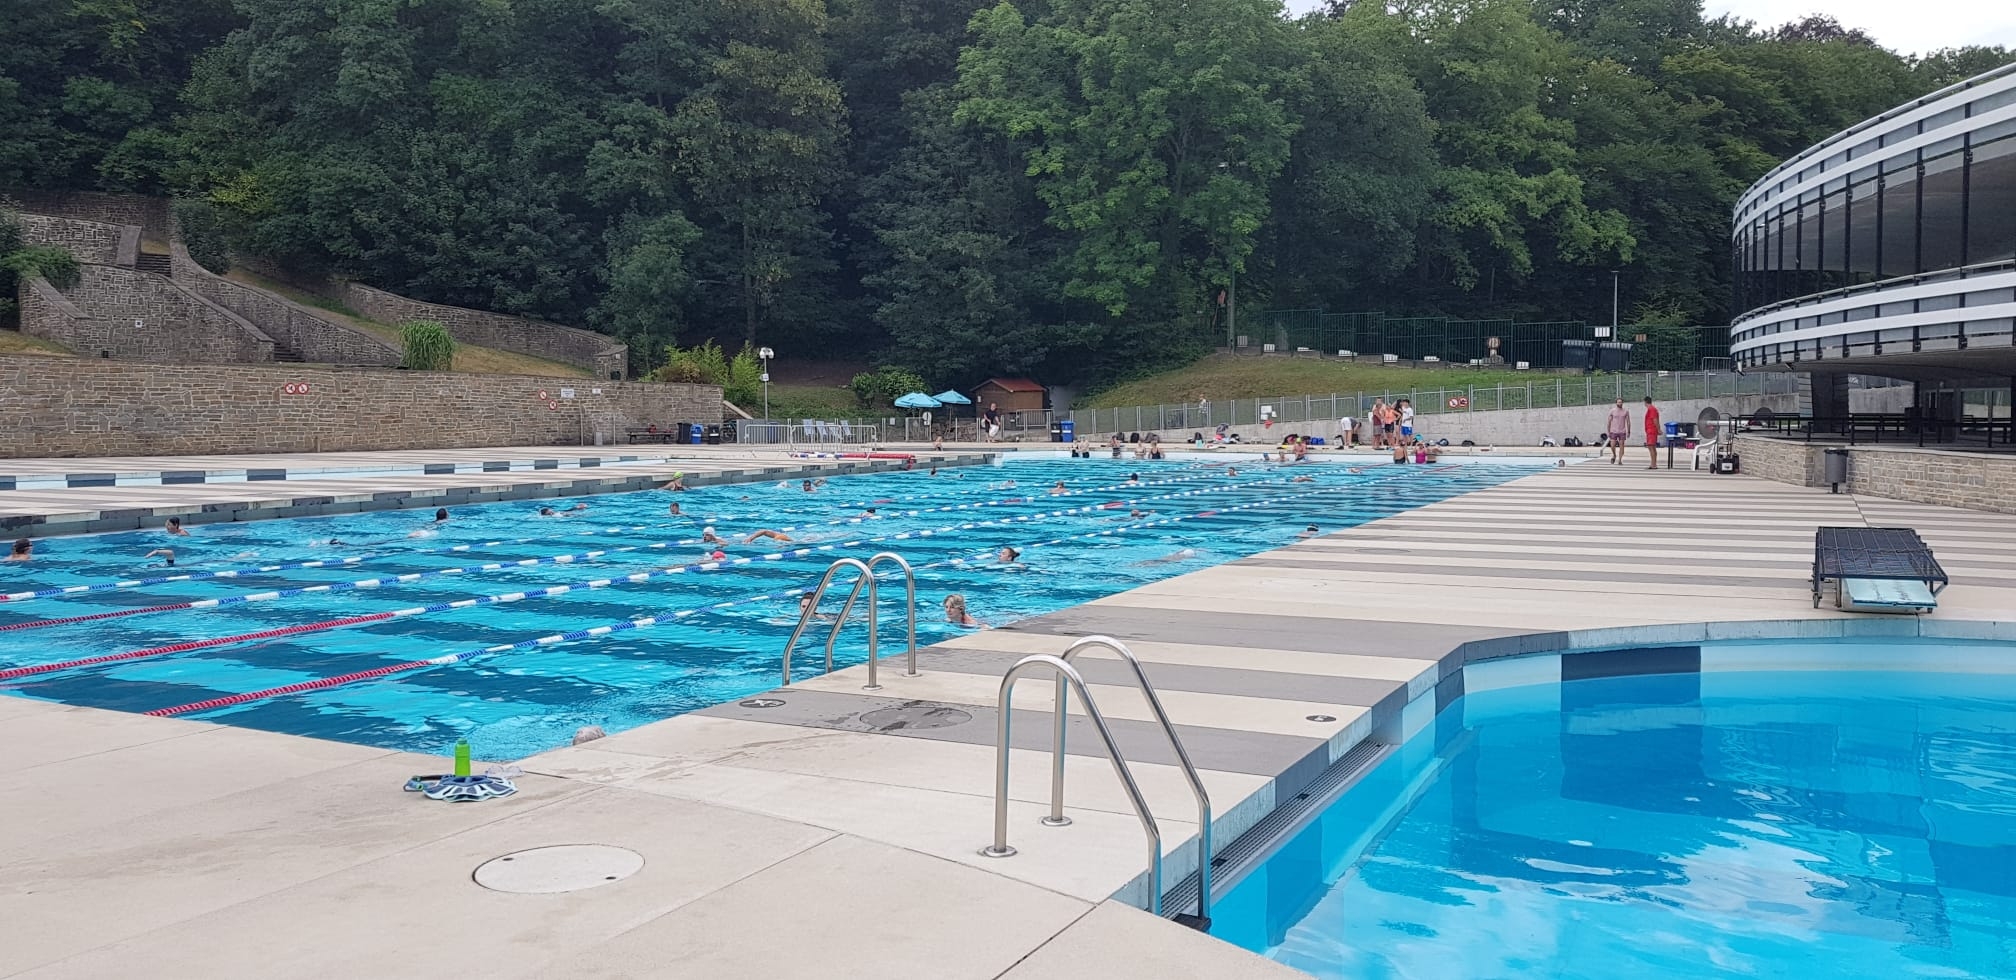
{"points": [[1009, 555], [1616, 430], [174, 526], [1057, 489], [767, 533], [956, 614], [707, 536], [24, 550], [167, 555]]}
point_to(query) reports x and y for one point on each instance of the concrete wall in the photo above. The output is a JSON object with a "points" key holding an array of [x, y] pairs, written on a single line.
{"points": [[598, 353], [92, 242], [1976, 481], [150, 214], [1524, 427], [90, 407], [317, 337], [136, 316], [1894, 400]]}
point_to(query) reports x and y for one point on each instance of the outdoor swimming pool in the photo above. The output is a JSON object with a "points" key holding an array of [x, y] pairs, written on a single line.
{"points": [[1756, 823], [518, 671]]}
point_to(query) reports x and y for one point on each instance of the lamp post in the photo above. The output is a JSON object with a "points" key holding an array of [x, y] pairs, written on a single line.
{"points": [[766, 354]]}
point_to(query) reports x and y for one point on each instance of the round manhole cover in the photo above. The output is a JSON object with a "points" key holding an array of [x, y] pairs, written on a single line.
{"points": [[763, 703], [915, 716], [561, 868]]}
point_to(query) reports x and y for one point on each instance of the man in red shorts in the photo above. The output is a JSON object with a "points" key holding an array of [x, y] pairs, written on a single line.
{"points": [[1653, 429]]}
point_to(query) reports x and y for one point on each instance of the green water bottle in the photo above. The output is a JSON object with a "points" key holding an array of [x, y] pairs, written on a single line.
{"points": [[462, 758]]}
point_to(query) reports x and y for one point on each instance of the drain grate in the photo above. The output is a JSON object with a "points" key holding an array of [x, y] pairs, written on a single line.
{"points": [[558, 869], [912, 716]]}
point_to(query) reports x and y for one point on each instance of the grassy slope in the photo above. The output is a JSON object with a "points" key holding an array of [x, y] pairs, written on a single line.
{"points": [[16, 342], [1223, 376], [468, 359]]}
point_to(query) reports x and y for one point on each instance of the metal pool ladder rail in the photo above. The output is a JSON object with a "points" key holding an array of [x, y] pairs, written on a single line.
{"points": [[1068, 677], [864, 576]]}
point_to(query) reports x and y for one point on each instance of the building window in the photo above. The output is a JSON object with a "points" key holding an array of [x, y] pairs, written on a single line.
{"points": [[1991, 202], [1942, 212]]}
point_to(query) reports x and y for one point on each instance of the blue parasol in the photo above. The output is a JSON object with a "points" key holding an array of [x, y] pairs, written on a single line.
{"points": [[953, 398], [917, 399]]}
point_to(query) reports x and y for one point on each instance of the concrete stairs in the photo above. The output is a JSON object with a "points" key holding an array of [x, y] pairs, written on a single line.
{"points": [[154, 262]]}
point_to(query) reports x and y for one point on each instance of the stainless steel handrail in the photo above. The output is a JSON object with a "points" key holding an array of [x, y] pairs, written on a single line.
{"points": [[1069, 674], [812, 609], [864, 577], [1057, 817], [910, 594]]}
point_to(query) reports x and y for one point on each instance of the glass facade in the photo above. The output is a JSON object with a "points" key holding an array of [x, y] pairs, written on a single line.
{"points": [[1944, 205]]}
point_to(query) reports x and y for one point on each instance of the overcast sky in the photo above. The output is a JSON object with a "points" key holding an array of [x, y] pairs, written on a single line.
{"points": [[1910, 26]]}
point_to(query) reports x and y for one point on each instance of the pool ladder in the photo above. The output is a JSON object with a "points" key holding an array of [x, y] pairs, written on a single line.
{"points": [[1067, 678], [864, 576]]}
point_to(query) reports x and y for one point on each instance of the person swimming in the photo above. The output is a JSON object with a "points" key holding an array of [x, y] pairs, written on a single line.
{"points": [[167, 555], [767, 533], [677, 483], [1009, 555], [1231, 471], [24, 550], [1308, 532], [1181, 554], [550, 512], [673, 510], [809, 486], [1058, 489], [805, 606], [1303, 479], [956, 614], [1133, 479], [707, 536], [174, 526]]}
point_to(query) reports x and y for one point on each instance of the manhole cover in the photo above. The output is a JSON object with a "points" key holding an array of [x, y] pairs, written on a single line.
{"points": [[763, 703], [1386, 551], [915, 716], [1322, 718], [561, 868]]}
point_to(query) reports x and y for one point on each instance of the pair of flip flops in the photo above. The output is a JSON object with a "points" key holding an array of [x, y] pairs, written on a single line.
{"points": [[495, 782]]}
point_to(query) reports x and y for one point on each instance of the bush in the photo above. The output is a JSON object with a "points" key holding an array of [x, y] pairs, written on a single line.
{"points": [[744, 383], [428, 346], [204, 233], [881, 387], [740, 378]]}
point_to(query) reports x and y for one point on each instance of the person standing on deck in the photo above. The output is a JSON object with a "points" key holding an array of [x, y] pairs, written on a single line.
{"points": [[1652, 432], [1617, 430], [991, 421]]}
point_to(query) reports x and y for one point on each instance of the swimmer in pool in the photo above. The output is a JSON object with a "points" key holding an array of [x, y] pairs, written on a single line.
{"points": [[767, 533], [1303, 479], [1356, 469], [550, 512], [674, 509], [174, 526], [1231, 471], [440, 517], [956, 614], [805, 605], [1058, 490], [809, 486], [24, 550], [1183, 554], [677, 483], [167, 555], [870, 515], [1307, 533], [1008, 556], [707, 536], [1133, 479]]}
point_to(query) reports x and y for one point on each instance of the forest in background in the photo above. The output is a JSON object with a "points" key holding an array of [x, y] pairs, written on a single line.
{"points": [[1063, 188]]}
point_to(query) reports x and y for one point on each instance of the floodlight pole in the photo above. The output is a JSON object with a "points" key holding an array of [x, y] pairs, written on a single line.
{"points": [[766, 354]]}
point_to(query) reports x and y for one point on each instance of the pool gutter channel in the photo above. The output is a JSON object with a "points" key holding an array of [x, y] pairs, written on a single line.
{"points": [[1249, 849]]}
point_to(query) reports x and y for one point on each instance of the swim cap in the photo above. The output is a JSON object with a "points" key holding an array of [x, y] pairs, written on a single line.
{"points": [[709, 529], [719, 554]]}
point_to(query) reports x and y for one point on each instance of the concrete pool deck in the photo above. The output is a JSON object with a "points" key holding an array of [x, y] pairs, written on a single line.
{"points": [[809, 839]]}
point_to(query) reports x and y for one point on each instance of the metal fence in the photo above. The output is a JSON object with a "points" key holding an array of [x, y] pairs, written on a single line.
{"points": [[1556, 392], [1541, 344]]}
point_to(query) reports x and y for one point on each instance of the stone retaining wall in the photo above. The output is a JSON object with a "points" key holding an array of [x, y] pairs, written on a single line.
{"points": [[150, 214], [317, 337], [91, 407], [597, 353], [92, 242], [136, 316], [1976, 481]]}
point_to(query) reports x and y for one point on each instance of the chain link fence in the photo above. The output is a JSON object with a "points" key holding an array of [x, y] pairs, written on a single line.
{"points": [[1556, 392]]}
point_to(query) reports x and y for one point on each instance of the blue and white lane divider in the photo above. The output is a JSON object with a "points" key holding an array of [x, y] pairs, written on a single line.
{"points": [[509, 597], [71, 590], [646, 622]]}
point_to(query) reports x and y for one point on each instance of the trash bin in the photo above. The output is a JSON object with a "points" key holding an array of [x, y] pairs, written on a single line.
{"points": [[1836, 468], [713, 435], [697, 435], [1067, 430], [1056, 432]]}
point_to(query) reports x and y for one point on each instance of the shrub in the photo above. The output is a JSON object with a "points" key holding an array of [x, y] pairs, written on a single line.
{"points": [[740, 378], [19, 259], [744, 383], [428, 346], [204, 233], [881, 387]]}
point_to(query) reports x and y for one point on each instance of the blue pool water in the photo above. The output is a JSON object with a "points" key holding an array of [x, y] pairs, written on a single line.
{"points": [[1766, 824], [722, 627]]}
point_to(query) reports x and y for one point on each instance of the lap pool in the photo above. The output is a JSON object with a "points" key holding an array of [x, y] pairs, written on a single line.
{"points": [[513, 630], [1742, 822]]}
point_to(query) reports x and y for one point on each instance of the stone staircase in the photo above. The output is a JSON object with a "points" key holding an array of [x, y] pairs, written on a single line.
{"points": [[155, 262]]}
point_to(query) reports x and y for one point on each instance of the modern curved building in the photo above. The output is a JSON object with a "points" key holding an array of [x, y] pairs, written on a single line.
{"points": [[1889, 250]]}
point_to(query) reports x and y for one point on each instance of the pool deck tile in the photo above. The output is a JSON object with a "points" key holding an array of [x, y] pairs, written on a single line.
{"points": [[804, 841]]}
